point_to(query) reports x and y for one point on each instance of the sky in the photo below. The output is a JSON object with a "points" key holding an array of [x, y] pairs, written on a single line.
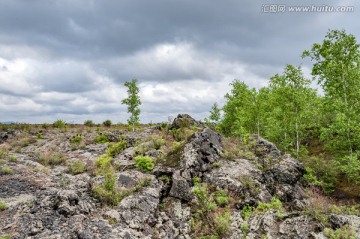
{"points": [[69, 59]]}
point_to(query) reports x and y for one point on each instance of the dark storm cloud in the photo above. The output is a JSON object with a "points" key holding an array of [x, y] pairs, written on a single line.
{"points": [[72, 56]]}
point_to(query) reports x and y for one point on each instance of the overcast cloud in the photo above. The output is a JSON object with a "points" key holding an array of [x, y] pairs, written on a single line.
{"points": [[69, 59]]}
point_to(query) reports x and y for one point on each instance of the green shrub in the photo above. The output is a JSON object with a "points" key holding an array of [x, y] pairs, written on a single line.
{"points": [[157, 142], [144, 163], [112, 197], [56, 159], [6, 170], [76, 139], [39, 135], [115, 149], [245, 227], [321, 173], [59, 124], [107, 123], [3, 205], [246, 211], [350, 166], [89, 123], [222, 223], [221, 198], [345, 232], [264, 207], [101, 139], [52, 158], [2, 154], [12, 159], [76, 167], [103, 163]]}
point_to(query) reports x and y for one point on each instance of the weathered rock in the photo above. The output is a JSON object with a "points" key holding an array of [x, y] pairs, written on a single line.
{"points": [[183, 120], [282, 179], [299, 228], [199, 155], [113, 215], [5, 135], [180, 187], [338, 221], [115, 136], [264, 148]]}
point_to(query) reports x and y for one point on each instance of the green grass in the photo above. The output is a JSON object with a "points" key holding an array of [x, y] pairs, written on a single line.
{"points": [[3, 205]]}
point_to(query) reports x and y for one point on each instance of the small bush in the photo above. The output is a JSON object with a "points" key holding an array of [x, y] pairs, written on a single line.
{"points": [[221, 198], [103, 163], [345, 232], [264, 207], [76, 167], [57, 159], [101, 139], [3, 205], [52, 158], [157, 142], [222, 224], [246, 211], [6, 170], [76, 139], [115, 149], [245, 227], [144, 163], [39, 135], [107, 123], [2, 154], [59, 124], [112, 197], [89, 123]]}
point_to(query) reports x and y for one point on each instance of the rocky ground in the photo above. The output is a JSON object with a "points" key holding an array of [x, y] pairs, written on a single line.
{"points": [[202, 185]]}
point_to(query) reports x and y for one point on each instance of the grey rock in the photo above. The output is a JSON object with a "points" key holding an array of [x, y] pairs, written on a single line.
{"points": [[264, 148], [299, 227], [113, 215], [182, 120], [180, 187]]}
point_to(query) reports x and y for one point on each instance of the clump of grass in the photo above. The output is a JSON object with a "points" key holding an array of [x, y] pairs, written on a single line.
{"points": [[76, 139], [2, 154], [3, 205], [221, 198], [108, 193], [264, 207], [12, 159], [52, 158], [76, 167], [345, 232], [6, 170], [39, 135], [210, 220]]}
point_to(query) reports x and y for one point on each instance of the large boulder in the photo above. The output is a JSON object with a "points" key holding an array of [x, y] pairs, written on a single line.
{"points": [[183, 120], [197, 159]]}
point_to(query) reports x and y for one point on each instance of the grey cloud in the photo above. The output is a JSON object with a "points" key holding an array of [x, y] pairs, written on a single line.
{"points": [[109, 42]]}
